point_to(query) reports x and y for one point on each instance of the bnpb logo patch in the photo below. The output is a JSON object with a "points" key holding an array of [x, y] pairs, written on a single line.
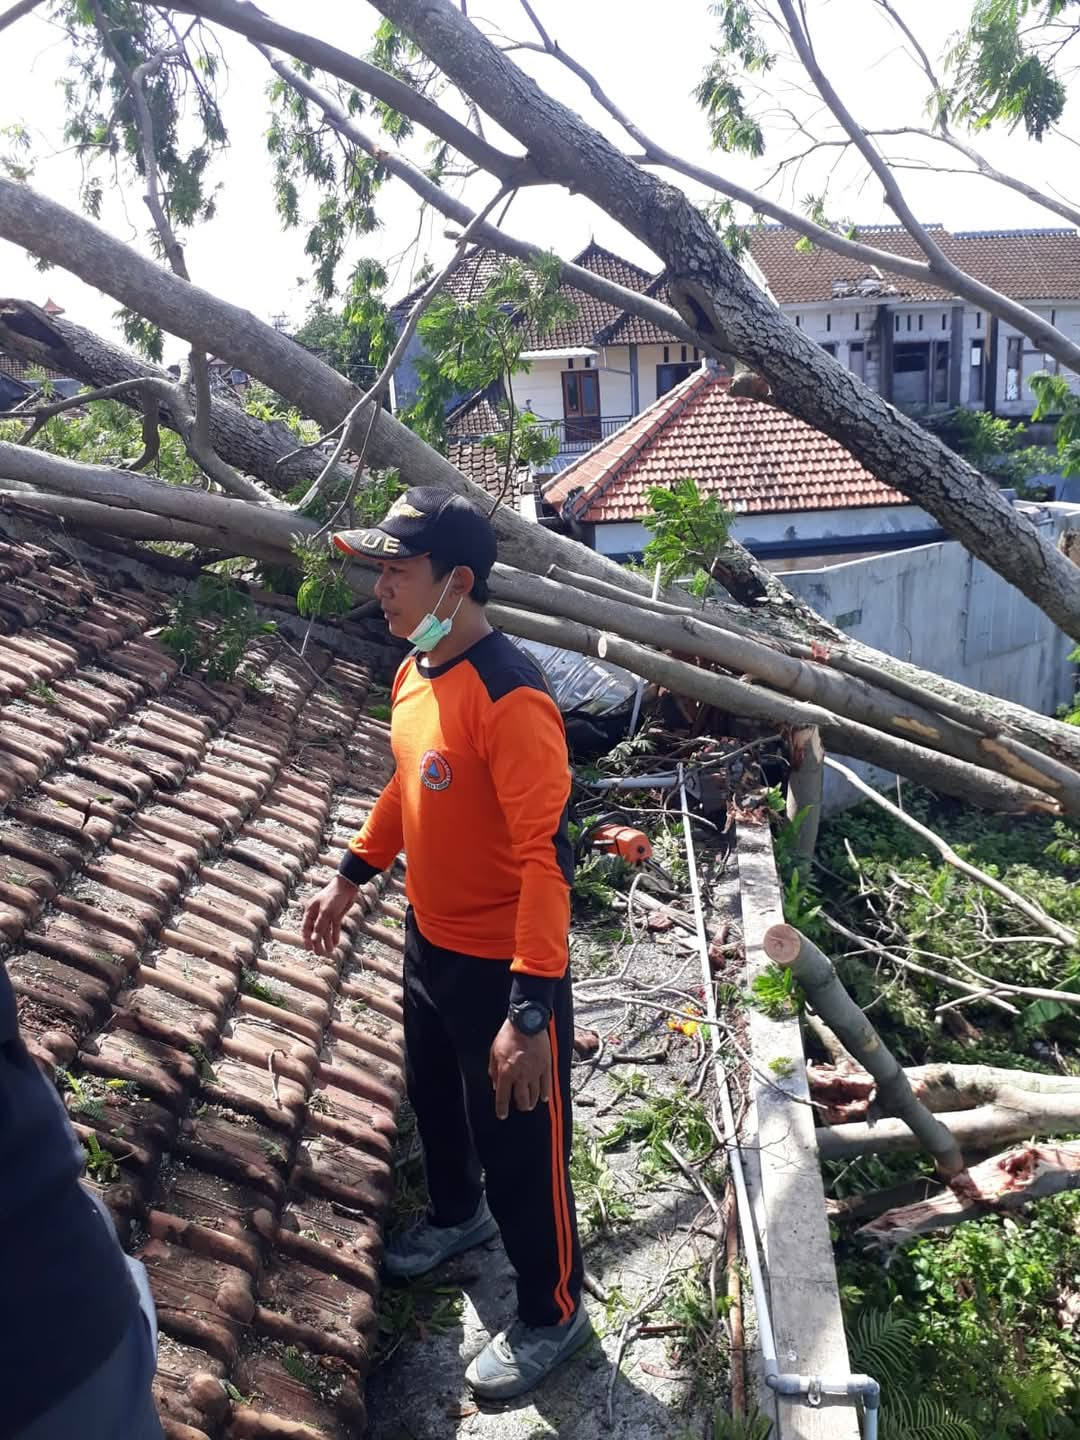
{"points": [[435, 771]]}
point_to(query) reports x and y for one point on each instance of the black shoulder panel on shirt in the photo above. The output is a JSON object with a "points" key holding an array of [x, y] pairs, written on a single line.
{"points": [[503, 667]]}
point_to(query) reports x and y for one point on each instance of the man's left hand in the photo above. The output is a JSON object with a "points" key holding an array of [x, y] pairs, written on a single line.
{"points": [[520, 1067]]}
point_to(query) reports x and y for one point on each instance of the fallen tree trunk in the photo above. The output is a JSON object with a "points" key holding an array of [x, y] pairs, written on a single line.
{"points": [[785, 628], [730, 314], [1015, 1114], [785, 946], [270, 527], [257, 447], [1003, 1183], [844, 695]]}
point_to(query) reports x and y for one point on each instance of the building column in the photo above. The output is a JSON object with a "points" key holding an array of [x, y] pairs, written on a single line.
{"points": [[635, 398], [885, 346], [956, 356]]}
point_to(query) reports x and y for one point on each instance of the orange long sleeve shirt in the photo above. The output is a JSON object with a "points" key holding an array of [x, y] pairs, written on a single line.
{"points": [[479, 802]]}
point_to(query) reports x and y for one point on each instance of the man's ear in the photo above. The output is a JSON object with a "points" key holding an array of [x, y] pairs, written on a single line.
{"points": [[464, 579]]}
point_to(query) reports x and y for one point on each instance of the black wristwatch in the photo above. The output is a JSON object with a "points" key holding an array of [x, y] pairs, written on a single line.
{"points": [[529, 1016]]}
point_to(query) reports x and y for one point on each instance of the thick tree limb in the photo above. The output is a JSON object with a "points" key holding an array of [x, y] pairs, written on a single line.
{"points": [[731, 315], [814, 971], [275, 527], [255, 447], [937, 268], [1004, 1183], [1015, 1115], [806, 774], [16, 12], [93, 515], [1034, 912]]}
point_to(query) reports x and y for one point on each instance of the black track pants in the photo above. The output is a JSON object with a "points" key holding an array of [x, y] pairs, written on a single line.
{"points": [[454, 1007]]}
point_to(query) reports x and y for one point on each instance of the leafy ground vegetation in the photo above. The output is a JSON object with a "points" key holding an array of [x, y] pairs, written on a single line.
{"points": [[981, 1323]]}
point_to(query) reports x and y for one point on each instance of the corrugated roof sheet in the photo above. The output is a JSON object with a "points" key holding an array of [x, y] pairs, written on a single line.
{"points": [[753, 457]]}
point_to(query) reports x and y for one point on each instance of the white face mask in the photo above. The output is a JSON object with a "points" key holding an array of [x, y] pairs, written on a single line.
{"points": [[431, 629]]}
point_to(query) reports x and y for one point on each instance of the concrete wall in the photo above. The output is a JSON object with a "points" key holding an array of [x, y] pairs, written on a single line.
{"points": [[946, 611]]}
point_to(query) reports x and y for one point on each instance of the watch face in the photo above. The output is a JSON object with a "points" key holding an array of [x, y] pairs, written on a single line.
{"points": [[530, 1019]]}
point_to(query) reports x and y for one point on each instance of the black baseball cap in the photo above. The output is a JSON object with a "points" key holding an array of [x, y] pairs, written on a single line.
{"points": [[427, 520]]}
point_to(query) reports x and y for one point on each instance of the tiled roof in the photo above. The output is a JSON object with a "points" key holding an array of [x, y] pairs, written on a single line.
{"points": [[753, 457], [25, 370], [159, 838], [1023, 264], [477, 415], [470, 279], [633, 330], [594, 317], [480, 464]]}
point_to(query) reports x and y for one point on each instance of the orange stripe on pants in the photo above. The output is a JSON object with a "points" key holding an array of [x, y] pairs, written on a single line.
{"points": [[558, 1183]]}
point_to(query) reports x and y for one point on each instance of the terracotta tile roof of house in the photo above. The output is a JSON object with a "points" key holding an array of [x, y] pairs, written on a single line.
{"points": [[594, 319], [469, 280], [477, 415], [633, 330], [753, 457], [20, 369], [159, 838], [1023, 264], [593, 316]]}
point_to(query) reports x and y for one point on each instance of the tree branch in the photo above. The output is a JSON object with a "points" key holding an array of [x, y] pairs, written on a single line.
{"points": [[16, 12], [1034, 912], [374, 395], [246, 19], [198, 436], [614, 294]]}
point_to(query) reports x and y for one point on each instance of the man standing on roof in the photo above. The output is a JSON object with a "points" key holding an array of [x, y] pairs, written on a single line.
{"points": [[479, 802]]}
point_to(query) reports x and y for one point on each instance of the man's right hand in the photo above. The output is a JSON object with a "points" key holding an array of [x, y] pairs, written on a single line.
{"points": [[324, 914]]}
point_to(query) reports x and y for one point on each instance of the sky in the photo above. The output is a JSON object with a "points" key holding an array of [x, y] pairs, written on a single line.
{"points": [[648, 65]]}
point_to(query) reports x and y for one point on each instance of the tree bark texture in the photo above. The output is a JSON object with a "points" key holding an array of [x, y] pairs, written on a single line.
{"points": [[1002, 1183], [814, 971], [731, 315]]}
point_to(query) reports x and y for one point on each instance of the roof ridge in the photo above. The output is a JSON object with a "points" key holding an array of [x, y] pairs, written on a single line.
{"points": [[669, 406]]}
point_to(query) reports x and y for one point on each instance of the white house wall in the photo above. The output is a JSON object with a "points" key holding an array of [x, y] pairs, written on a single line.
{"points": [[540, 389], [849, 320], [801, 528]]}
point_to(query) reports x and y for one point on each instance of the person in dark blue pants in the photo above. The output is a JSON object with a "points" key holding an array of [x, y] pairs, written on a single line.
{"points": [[78, 1330]]}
